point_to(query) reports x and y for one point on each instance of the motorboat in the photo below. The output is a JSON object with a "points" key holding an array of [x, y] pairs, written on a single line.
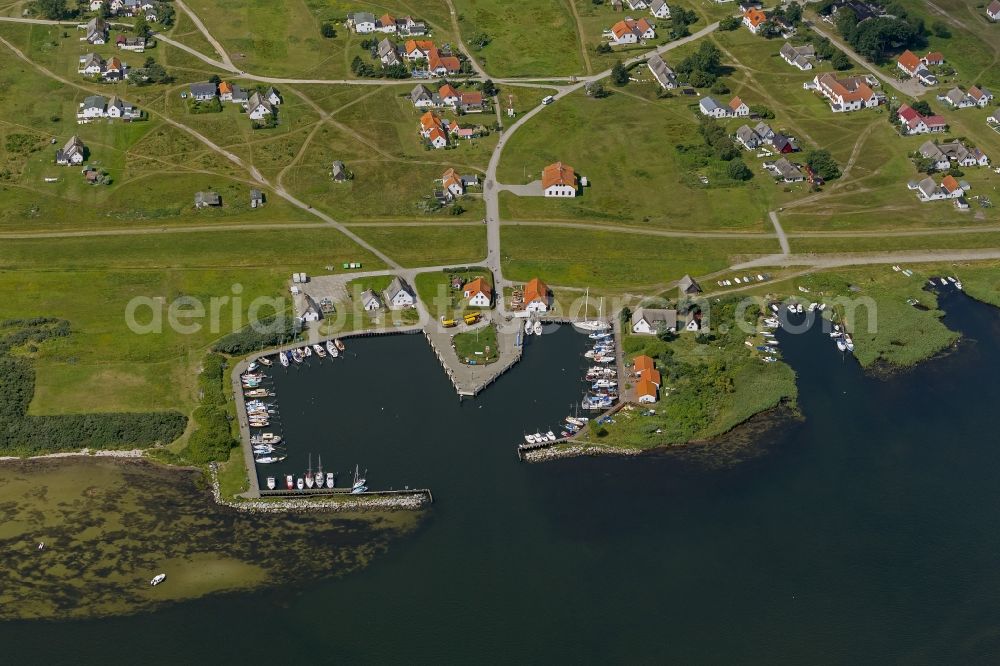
{"points": [[268, 460], [157, 579], [537, 328], [270, 483], [270, 437], [357, 490], [530, 439], [528, 327], [798, 308], [318, 348], [283, 357], [331, 349], [263, 360], [297, 356], [769, 359], [289, 481], [774, 307], [253, 366], [841, 344], [306, 351], [599, 336], [952, 280], [329, 480], [551, 436], [299, 483], [338, 344], [849, 342]]}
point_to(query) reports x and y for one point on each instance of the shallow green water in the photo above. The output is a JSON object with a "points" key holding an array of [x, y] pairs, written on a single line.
{"points": [[865, 533]]}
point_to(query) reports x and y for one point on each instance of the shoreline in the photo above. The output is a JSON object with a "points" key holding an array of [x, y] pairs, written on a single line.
{"points": [[83, 453]]}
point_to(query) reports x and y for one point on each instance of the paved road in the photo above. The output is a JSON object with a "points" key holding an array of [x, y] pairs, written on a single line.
{"points": [[911, 88]]}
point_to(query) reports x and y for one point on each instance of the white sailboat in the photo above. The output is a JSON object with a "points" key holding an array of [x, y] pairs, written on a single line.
{"points": [[592, 325], [537, 328], [359, 482]]}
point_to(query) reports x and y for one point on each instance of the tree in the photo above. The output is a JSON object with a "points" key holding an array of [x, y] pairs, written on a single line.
{"points": [[922, 107], [940, 30], [604, 47], [730, 23], [214, 79], [840, 61], [597, 91], [793, 13], [488, 88], [327, 30], [165, 14], [619, 75], [737, 170], [720, 87], [761, 111], [51, 9], [726, 149], [847, 21], [822, 164], [141, 26]]}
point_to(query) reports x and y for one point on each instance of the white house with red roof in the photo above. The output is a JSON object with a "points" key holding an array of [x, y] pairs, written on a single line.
{"points": [[385, 23], [993, 11], [478, 293], [630, 31], [738, 108], [850, 94], [915, 123], [754, 19], [916, 67]]}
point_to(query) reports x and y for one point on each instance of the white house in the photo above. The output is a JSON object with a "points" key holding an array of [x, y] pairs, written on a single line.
{"points": [[72, 153], [97, 31], [559, 180], [361, 22], [452, 183], [646, 321], [738, 108], [386, 23], [711, 107], [645, 392], [850, 94], [993, 11], [478, 293], [659, 9], [91, 64], [370, 300], [422, 97], [258, 107], [662, 72], [272, 96], [630, 31], [92, 107], [798, 56], [536, 296], [928, 190], [754, 19], [399, 294]]}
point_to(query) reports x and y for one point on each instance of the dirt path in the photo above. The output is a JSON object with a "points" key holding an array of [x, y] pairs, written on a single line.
{"points": [[476, 67], [211, 40], [580, 35]]}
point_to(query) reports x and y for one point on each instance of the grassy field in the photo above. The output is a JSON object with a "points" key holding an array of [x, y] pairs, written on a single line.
{"points": [[104, 366], [428, 245], [526, 39], [479, 346], [574, 257], [436, 292], [708, 388], [636, 174], [896, 243]]}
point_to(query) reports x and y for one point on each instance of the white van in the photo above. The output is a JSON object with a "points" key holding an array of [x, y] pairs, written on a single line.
{"points": [[548, 99]]}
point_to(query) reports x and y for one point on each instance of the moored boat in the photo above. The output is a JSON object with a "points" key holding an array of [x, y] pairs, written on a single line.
{"points": [[289, 481], [318, 348], [338, 344], [309, 473], [299, 484], [841, 344], [264, 361], [306, 351], [359, 481], [537, 328], [528, 327], [283, 357], [329, 480], [296, 355], [157, 579], [331, 349], [270, 483]]}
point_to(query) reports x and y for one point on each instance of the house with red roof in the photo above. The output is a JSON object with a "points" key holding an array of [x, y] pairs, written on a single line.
{"points": [[915, 123], [559, 180], [537, 297], [849, 94], [478, 292], [738, 108], [950, 188], [754, 19], [915, 67], [645, 392], [386, 23], [630, 31], [993, 11], [933, 58]]}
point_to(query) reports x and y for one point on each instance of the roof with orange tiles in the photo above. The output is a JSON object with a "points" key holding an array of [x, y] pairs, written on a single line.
{"points": [[644, 388], [430, 120], [934, 57], [755, 16], [642, 363], [225, 88], [558, 174], [735, 103], [447, 90], [450, 178], [909, 61], [536, 290], [386, 20], [449, 63], [437, 133], [478, 286], [850, 89], [471, 97], [950, 184], [417, 44], [652, 375]]}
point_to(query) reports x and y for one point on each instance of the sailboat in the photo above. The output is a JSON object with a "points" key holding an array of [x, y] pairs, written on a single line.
{"points": [[537, 328], [592, 325], [309, 472], [528, 327], [283, 358], [289, 481], [359, 482], [329, 480], [319, 473]]}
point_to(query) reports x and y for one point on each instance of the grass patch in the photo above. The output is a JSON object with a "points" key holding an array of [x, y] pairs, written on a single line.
{"points": [[428, 245], [478, 347], [445, 302]]}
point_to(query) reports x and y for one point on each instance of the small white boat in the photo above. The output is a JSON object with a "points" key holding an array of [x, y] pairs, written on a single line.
{"points": [[268, 460], [772, 342], [270, 483], [338, 344], [318, 348], [769, 359], [289, 481], [958, 285], [849, 342], [359, 482], [841, 344], [253, 366], [284, 359], [539, 437], [551, 436], [306, 351], [790, 307], [774, 307], [357, 490], [944, 283], [299, 484], [157, 579], [329, 480], [331, 349], [812, 307], [822, 306], [952, 280], [537, 328], [264, 361], [530, 439], [528, 327], [798, 308]]}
